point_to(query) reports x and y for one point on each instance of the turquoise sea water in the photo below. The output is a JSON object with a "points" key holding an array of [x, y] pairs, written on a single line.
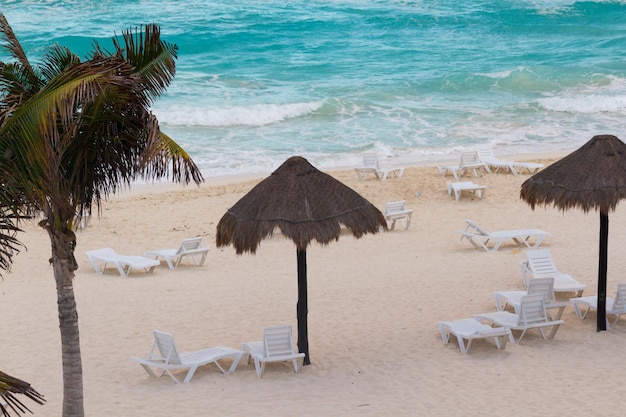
{"points": [[259, 81]]}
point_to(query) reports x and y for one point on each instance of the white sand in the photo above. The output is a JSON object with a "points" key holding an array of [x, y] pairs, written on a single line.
{"points": [[373, 308]]}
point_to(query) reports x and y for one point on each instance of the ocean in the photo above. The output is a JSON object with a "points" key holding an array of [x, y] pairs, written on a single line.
{"points": [[414, 81]]}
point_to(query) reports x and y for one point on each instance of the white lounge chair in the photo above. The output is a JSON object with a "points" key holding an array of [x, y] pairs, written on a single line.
{"points": [[543, 286], [372, 166], [532, 316], [472, 329], [458, 186], [539, 263], [191, 247], [469, 162], [530, 167], [123, 263], [277, 346], [480, 238], [485, 153], [165, 358], [614, 306], [395, 211]]}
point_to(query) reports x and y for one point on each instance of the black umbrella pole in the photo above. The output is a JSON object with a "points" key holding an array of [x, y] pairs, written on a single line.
{"points": [[602, 268], [303, 308]]}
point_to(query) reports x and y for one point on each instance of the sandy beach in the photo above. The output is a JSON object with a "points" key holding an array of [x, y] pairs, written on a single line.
{"points": [[374, 304]]}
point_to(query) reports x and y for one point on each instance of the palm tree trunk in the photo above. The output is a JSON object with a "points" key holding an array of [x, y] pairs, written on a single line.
{"points": [[70, 350], [64, 265]]}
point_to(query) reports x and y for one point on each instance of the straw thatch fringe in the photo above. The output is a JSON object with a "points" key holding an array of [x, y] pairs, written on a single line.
{"points": [[592, 177], [304, 203]]}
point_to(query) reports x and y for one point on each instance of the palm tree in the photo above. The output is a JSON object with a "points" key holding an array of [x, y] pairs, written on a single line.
{"points": [[72, 133]]}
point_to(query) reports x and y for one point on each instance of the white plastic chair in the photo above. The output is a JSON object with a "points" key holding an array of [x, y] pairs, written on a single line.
{"points": [[277, 346], [165, 357], [544, 286], [480, 238], [372, 166], [123, 263], [532, 315], [539, 263], [472, 329], [469, 162], [396, 210], [614, 306], [191, 247]]}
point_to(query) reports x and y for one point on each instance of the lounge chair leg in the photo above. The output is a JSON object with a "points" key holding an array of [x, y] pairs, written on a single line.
{"points": [[501, 341], [192, 370], [464, 348], [553, 332], [173, 376], [235, 363]]}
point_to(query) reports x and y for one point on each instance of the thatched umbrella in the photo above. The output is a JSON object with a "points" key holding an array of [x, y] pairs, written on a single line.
{"points": [[305, 204], [592, 177]]}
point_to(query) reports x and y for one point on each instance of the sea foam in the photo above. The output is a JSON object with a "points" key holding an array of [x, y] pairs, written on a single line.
{"points": [[253, 115]]}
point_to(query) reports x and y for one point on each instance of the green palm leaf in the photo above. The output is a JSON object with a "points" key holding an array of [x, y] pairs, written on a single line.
{"points": [[9, 386]]}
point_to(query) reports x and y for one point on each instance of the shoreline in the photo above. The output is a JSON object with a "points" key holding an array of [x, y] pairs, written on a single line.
{"points": [[168, 186]]}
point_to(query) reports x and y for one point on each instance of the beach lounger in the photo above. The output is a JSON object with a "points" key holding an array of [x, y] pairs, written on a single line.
{"points": [[532, 315], [123, 263], [469, 162], [543, 286], [455, 188], [530, 167], [372, 166], [481, 239], [395, 211], [486, 155], [539, 263], [165, 357], [191, 247], [472, 329], [614, 306], [277, 346]]}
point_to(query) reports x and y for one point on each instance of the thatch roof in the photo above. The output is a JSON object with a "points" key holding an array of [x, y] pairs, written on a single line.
{"points": [[304, 203], [592, 177]]}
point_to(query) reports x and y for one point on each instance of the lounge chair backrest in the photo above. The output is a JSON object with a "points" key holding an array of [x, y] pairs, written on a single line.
{"points": [[371, 160], [620, 298], [470, 159], [164, 342], [542, 286], [395, 207], [277, 341], [189, 244], [540, 262], [524, 267], [533, 310], [485, 152], [477, 228]]}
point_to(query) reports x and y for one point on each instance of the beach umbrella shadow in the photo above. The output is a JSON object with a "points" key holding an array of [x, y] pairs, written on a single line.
{"points": [[305, 204], [592, 177]]}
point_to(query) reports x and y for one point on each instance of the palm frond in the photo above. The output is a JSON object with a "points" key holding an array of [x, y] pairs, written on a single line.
{"points": [[153, 58], [165, 151], [11, 44], [17, 83], [29, 80], [57, 59], [36, 123], [9, 386]]}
